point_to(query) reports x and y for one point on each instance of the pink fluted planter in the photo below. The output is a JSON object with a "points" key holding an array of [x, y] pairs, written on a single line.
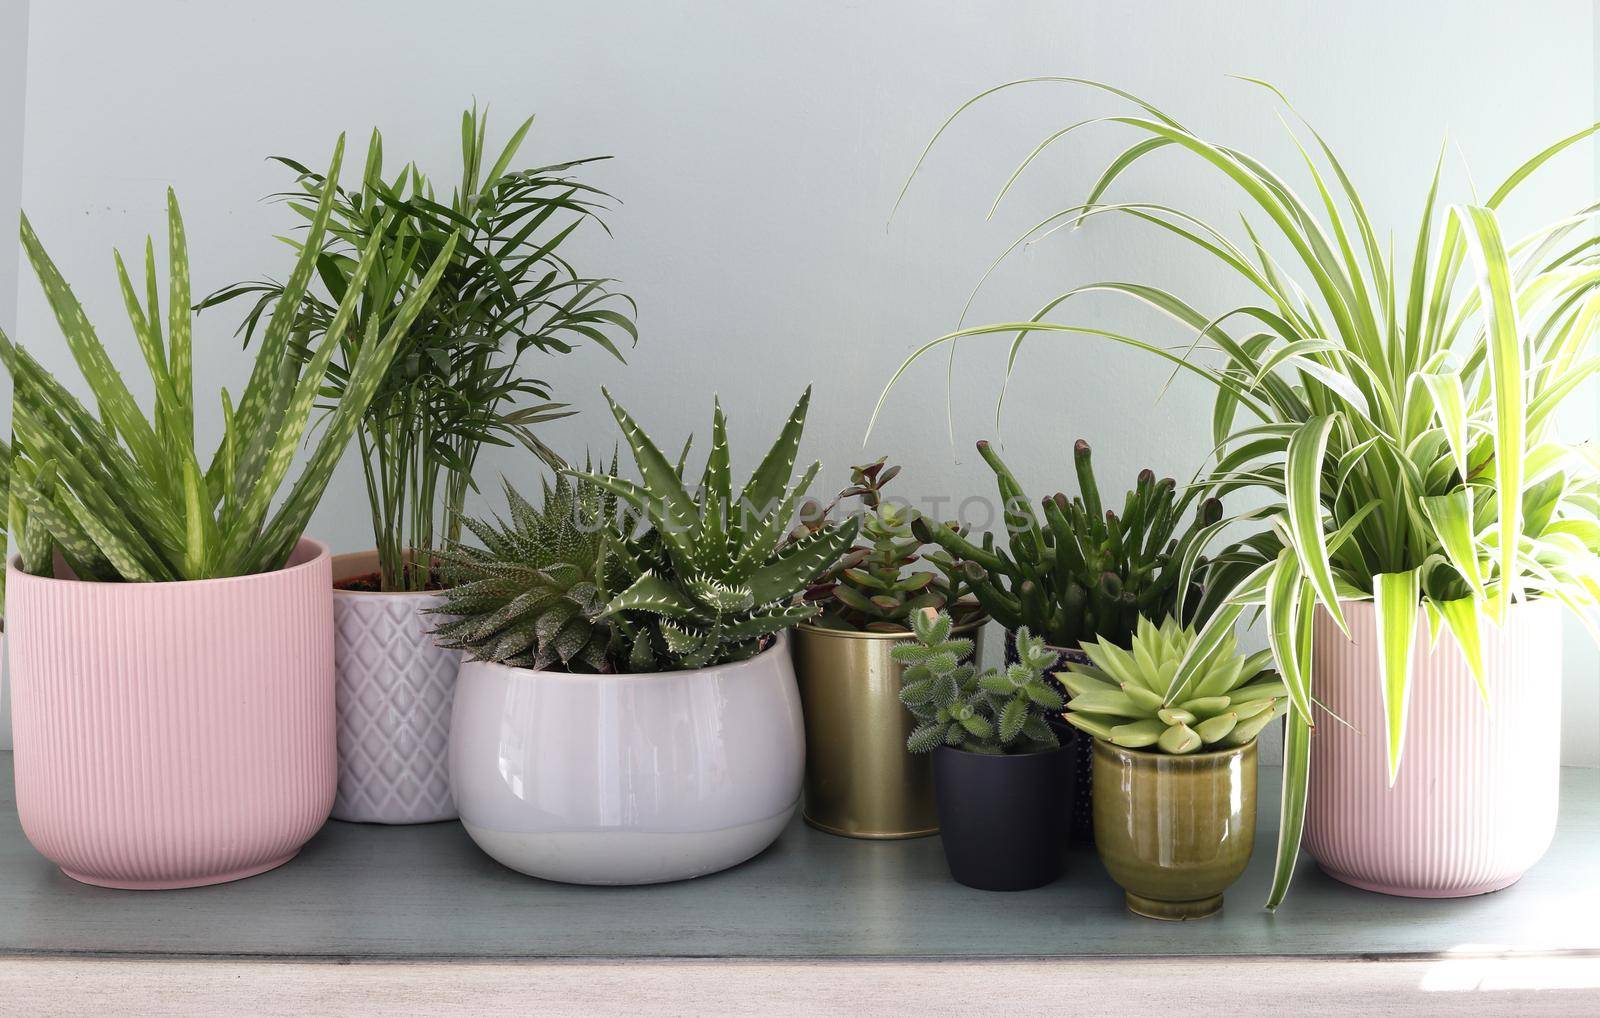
{"points": [[173, 734], [1474, 806]]}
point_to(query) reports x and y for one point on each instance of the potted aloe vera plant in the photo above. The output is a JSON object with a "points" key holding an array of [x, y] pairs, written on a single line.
{"points": [[1428, 523], [1175, 762], [627, 712], [457, 382], [1074, 570], [1002, 776], [860, 782], [171, 628]]}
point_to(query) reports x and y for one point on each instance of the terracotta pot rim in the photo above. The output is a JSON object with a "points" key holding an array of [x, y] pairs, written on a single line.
{"points": [[973, 624], [1214, 754], [346, 556], [14, 565], [781, 643]]}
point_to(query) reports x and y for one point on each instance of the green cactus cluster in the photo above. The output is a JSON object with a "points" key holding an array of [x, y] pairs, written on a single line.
{"points": [[1075, 571], [532, 595], [1000, 711], [1127, 696], [712, 579], [873, 587]]}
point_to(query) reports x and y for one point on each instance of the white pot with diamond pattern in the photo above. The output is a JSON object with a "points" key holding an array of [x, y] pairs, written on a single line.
{"points": [[395, 690]]}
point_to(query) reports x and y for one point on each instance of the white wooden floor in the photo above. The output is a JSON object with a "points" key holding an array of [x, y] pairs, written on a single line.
{"points": [[1521, 985]]}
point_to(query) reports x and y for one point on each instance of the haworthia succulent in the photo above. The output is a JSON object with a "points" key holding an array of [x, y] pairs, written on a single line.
{"points": [[530, 597]]}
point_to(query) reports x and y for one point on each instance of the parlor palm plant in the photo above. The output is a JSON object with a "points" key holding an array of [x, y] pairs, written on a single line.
{"points": [[1399, 416], [457, 383]]}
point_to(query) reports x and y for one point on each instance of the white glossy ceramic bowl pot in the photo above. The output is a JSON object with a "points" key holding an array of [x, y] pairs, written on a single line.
{"points": [[627, 779]]}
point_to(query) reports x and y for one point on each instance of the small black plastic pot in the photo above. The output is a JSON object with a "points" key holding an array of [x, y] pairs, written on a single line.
{"points": [[1005, 820], [1082, 755]]}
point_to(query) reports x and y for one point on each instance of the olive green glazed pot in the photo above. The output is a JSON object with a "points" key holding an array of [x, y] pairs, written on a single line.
{"points": [[1174, 831]]}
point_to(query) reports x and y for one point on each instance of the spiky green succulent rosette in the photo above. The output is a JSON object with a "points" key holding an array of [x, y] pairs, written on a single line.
{"points": [[709, 582], [532, 595], [1127, 697]]}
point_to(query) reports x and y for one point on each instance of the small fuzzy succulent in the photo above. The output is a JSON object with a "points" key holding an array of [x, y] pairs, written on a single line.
{"points": [[1127, 698], [873, 587], [708, 582], [1076, 571], [1000, 711], [531, 597]]}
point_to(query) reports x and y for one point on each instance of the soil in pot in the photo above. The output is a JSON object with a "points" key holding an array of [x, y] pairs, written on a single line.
{"points": [[1002, 818], [372, 583]]}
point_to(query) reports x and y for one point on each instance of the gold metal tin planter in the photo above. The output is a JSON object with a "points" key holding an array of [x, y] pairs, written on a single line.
{"points": [[860, 781], [1174, 831]]}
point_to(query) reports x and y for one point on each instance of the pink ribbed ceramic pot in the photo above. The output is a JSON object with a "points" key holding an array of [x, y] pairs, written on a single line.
{"points": [[173, 734], [1474, 806]]}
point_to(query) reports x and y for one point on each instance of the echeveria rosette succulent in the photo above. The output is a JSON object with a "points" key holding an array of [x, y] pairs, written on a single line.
{"points": [[1130, 696], [708, 583], [999, 711], [1075, 571], [873, 587]]}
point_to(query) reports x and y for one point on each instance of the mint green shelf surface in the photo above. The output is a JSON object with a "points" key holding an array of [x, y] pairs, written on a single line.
{"points": [[360, 891]]}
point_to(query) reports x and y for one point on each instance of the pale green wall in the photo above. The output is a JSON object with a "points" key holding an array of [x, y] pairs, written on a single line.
{"points": [[759, 147]]}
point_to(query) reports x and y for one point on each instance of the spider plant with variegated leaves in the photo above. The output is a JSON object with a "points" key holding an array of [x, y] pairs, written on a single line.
{"points": [[1399, 415], [122, 496]]}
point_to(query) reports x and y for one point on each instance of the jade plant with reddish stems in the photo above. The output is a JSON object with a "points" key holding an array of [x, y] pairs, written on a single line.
{"points": [[873, 587]]}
